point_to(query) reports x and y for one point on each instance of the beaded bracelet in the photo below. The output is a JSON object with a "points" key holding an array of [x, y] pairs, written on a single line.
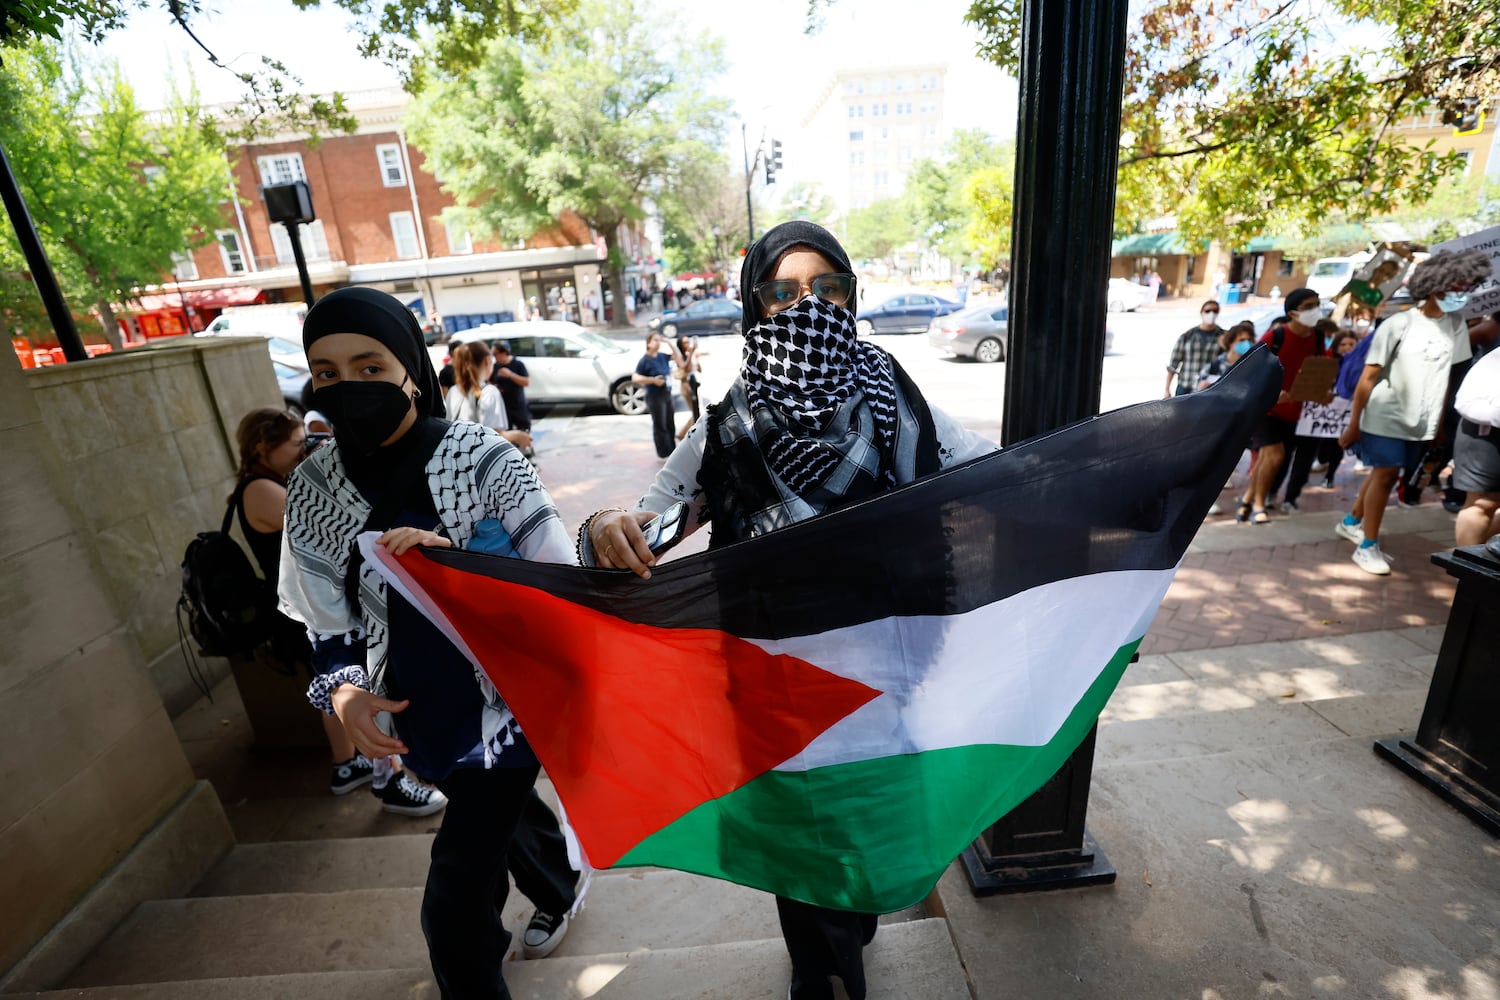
{"points": [[583, 533]]}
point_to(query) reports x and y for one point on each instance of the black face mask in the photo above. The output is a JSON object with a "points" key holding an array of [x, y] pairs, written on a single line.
{"points": [[364, 414]]}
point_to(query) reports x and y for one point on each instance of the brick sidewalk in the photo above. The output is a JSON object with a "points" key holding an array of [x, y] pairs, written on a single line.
{"points": [[1297, 591]]}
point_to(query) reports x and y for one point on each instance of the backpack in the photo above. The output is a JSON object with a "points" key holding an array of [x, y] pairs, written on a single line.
{"points": [[228, 607]]}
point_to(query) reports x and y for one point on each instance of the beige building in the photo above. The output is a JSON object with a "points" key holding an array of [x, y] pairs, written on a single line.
{"points": [[867, 129]]}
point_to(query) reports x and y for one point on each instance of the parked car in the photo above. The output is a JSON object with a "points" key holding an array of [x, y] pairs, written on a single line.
{"points": [[566, 363], [982, 333], [701, 318], [1126, 296], [977, 333], [291, 379], [1329, 275], [911, 312], [282, 319]]}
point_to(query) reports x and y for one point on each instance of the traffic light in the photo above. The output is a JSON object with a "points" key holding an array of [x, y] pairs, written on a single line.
{"points": [[773, 161]]}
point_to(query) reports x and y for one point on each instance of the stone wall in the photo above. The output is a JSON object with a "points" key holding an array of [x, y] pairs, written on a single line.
{"points": [[110, 467], [144, 442]]}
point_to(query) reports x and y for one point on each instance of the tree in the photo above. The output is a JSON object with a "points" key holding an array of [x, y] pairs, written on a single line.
{"points": [[808, 201], [456, 31], [878, 229], [1245, 116], [940, 208], [114, 191], [987, 197], [703, 215], [594, 122]]}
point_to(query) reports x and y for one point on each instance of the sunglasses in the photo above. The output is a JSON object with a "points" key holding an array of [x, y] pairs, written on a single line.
{"points": [[774, 296]]}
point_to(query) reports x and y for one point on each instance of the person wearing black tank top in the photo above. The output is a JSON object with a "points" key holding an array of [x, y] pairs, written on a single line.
{"points": [[271, 443]]}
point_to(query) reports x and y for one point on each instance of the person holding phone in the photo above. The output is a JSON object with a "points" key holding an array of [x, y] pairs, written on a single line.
{"points": [[816, 420], [654, 371]]}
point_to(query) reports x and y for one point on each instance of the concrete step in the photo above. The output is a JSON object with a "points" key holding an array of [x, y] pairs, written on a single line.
{"points": [[377, 928], [907, 961], [311, 866]]}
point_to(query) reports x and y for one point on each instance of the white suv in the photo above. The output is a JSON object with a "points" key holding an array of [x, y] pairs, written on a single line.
{"points": [[566, 363]]}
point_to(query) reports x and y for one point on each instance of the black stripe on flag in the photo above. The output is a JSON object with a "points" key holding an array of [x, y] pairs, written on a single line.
{"points": [[1126, 490]]}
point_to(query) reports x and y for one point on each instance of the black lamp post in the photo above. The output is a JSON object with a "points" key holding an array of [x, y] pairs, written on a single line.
{"points": [[41, 269], [1067, 152], [291, 205]]}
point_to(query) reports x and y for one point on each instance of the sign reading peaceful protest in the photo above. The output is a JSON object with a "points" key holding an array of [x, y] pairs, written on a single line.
{"points": [[1324, 420], [1485, 298]]}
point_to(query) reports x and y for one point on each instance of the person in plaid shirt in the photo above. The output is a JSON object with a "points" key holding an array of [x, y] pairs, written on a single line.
{"points": [[1194, 350]]}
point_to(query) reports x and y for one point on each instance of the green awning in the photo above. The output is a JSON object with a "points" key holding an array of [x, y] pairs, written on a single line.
{"points": [[1349, 236], [1149, 245]]}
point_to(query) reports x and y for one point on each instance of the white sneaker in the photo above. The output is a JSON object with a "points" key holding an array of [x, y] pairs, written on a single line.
{"points": [[1354, 532], [1370, 559], [406, 797]]}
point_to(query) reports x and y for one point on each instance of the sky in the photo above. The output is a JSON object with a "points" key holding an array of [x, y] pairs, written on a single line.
{"points": [[774, 69]]}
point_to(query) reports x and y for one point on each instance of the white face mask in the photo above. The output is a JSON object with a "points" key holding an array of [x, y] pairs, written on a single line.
{"points": [[1307, 317], [1211, 317], [1361, 324]]}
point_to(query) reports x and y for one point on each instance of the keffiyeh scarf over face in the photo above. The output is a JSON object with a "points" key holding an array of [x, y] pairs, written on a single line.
{"points": [[803, 366]]}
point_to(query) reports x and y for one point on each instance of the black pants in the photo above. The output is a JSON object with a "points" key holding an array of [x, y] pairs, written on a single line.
{"points": [[663, 425], [1301, 453], [823, 943], [466, 883], [538, 860]]}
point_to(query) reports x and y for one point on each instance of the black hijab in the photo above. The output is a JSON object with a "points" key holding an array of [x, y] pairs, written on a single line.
{"points": [[380, 316], [766, 251]]}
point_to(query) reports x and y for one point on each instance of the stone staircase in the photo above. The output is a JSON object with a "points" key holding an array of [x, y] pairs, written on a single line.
{"points": [[329, 915]]}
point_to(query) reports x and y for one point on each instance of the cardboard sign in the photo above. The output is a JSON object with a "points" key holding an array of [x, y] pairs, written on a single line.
{"points": [[1485, 299], [1320, 421], [1315, 378]]}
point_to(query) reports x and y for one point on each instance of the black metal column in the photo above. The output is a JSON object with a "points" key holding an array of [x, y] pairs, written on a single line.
{"points": [[294, 233], [41, 269], [1067, 152]]}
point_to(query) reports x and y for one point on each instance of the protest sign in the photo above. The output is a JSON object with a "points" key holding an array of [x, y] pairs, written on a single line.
{"points": [[1324, 421]]}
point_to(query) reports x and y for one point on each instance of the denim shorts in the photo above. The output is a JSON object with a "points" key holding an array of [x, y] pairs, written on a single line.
{"points": [[1380, 452]]}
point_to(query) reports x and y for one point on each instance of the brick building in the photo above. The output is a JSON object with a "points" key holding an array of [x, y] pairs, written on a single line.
{"points": [[379, 223]]}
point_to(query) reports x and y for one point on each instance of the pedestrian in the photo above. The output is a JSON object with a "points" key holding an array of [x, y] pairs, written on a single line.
{"points": [[511, 378], [803, 430], [1304, 450], [591, 302], [654, 371], [1235, 343], [398, 468], [688, 369], [474, 399], [1476, 452], [1198, 346], [1294, 342], [1398, 404], [272, 443]]}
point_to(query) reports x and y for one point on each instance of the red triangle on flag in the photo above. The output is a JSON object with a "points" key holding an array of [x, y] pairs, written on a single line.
{"points": [[636, 725]]}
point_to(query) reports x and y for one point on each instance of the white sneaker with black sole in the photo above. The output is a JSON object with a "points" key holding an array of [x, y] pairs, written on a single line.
{"points": [[350, 774], [406, 797], [543, 935]]}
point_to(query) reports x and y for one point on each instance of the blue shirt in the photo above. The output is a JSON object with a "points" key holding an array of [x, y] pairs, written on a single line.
{"points": [[656, 366]]}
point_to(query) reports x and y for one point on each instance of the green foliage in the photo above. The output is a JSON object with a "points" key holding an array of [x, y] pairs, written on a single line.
{"points": [[958, 224], [703, 216], [593, 122], [808, 201], [988, 202], [875, 231], [1243, 118], [80, 148]]}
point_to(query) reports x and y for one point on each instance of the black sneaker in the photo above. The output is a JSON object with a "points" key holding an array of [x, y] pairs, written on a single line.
{"points": [[350, 774], [406, 797], [543, 935]]}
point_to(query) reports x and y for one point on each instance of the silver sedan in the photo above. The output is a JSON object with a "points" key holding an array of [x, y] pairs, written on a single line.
{"points": [[977, 333]]}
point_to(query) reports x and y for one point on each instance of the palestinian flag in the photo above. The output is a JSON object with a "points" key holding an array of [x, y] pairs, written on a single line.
{"points": [[834, 710]]}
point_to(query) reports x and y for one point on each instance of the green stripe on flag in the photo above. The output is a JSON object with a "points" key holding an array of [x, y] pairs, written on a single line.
{"points": [[875, 835]]}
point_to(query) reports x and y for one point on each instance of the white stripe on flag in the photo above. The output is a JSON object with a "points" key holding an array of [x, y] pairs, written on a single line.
{"points": [[1007, 673]]}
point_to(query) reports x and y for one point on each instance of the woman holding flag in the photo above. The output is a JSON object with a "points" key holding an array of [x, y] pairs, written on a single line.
{"points": [[399, 468], [815, 421]]}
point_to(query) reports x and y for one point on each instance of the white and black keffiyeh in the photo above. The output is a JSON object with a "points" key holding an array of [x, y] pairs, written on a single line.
{"points": [[802, 370]]}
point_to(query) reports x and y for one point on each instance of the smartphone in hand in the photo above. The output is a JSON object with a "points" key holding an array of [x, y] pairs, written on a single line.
{"points": [[667, 529]]}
